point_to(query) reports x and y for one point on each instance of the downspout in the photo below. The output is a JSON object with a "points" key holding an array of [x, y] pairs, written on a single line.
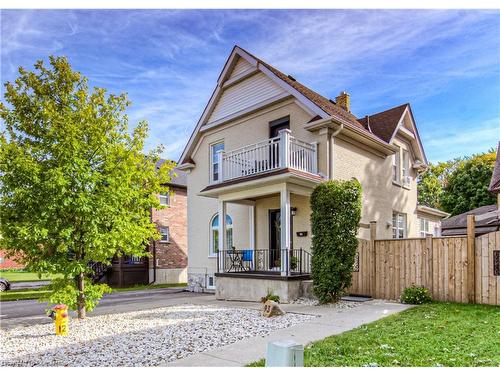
{"points": [[331, 155]]}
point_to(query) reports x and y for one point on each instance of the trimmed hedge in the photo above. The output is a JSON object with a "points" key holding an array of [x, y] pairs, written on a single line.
{"points": [[336, 212]]}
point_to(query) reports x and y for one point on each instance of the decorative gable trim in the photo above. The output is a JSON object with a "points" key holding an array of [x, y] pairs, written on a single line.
{"points": [[414, 137]]}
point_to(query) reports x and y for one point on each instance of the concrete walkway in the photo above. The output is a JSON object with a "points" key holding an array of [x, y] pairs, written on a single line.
{"points": [[328, 322]]}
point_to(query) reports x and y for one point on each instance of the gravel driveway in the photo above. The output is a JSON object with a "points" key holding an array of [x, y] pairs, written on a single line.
{"points": [[140, 338]]}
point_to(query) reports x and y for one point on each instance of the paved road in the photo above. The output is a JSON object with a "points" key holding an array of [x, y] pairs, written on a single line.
{"points": [[32, 312]]}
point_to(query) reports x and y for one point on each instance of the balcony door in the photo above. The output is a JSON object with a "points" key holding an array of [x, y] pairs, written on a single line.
{"points": [[274, 129]]}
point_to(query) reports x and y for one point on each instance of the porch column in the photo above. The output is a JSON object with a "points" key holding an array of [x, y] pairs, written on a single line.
{"points": [[251, 229], [285, 230], [222, 235]]}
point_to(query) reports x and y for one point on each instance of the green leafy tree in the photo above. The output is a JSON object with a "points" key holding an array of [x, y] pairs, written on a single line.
{"points": [[75, 184], [336, 212], [467, 185], [432, 181]]}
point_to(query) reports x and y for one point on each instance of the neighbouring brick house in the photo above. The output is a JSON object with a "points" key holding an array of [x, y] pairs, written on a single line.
{"points": [[168, 260], [6, 263]]}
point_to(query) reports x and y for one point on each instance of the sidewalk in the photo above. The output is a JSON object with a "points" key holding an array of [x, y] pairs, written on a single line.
{"points": [[28, 284], [328, 322]]}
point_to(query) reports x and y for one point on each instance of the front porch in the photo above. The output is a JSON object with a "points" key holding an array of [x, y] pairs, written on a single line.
{"points": [[273, 254]]}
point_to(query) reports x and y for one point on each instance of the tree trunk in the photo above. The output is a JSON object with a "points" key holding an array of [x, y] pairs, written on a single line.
{"points": [[81, 297]]}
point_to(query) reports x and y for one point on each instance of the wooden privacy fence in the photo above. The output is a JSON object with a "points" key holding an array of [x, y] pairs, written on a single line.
{"points": [[458, 268]]}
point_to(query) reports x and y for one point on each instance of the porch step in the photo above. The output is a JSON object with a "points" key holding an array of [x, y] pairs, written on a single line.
{"points": [[307, 289]]}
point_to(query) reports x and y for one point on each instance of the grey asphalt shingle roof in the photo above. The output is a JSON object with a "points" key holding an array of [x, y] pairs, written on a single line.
{"points": [[457, 225], [495, 178], [178, 177]]}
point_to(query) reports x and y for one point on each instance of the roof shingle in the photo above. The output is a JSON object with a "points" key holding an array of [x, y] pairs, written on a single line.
{"points": [[383, 124], [495, 178]]}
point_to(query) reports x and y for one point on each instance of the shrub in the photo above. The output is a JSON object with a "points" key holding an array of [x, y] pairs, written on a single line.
{"points": [[415, 295], [270, 297], [336, 211]]}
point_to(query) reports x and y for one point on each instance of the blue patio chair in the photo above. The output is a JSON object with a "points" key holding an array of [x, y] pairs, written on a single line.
{"points": [[247, 256]]}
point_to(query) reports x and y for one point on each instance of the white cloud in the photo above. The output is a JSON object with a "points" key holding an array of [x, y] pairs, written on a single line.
{"points": [[452, 140]]}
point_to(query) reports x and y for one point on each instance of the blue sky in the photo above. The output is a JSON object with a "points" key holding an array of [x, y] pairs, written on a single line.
{"points": [[446, 64]]}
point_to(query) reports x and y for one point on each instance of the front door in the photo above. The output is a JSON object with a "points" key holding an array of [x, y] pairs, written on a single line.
{"points": [[275, 238]]}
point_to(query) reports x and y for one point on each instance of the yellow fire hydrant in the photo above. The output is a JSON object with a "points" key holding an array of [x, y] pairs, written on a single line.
{"points": [[61, 319]]}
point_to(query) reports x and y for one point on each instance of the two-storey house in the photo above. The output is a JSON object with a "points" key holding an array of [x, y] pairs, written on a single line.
{"points": [[262, 144]]}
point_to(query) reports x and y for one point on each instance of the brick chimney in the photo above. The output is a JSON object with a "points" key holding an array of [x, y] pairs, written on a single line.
{"points": [[344, 100]]}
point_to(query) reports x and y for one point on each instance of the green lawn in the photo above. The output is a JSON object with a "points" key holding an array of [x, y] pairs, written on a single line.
{"points": [[22, 294], [18, 275], [436, 334]]}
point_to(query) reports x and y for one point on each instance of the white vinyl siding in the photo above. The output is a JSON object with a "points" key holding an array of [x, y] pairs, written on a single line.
{"points": [[247, 93], [240, 67]]}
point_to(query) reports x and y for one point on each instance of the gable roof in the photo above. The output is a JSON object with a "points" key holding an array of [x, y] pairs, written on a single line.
{"points": [[495, 178], [319, 105], [325, 104], [384, 124], [178, 178]]}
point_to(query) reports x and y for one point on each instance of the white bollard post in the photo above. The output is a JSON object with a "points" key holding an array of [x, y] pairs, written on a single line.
{"points": [[284, 354]]}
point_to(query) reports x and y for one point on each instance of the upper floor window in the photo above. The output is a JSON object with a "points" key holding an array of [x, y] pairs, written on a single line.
{"points": [[406, 167], [165, 234], [396, 162], [165, 198], [398, 225], [214, 234], [214, 159]]}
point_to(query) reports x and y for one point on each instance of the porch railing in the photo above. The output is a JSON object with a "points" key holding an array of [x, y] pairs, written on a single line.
{"points": [[292, 262], [283, 151]]}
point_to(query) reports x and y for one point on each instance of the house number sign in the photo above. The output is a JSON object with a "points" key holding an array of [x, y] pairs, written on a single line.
{"points": [[356, 263], [496, 262]]}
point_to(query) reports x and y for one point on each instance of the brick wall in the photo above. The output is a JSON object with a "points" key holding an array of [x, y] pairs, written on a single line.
{"points": [[6, 263], [172, 255]]}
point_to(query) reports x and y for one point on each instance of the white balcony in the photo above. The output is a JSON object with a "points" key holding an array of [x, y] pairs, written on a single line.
{"points": [[272, 154]]}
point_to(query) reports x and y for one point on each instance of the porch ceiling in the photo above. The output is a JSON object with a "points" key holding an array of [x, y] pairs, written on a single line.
{"points": [[296, 182]]}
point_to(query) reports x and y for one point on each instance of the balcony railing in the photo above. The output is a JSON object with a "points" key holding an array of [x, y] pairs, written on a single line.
{"points": [[292, 261], [279, 152]]}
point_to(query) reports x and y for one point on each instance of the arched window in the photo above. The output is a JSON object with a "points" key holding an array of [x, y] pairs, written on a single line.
{"points": [[214, 234]]}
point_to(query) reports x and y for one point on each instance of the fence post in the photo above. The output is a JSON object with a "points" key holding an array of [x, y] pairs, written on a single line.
{"points": [[428, 267], [471, 266], [373, 236]]}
